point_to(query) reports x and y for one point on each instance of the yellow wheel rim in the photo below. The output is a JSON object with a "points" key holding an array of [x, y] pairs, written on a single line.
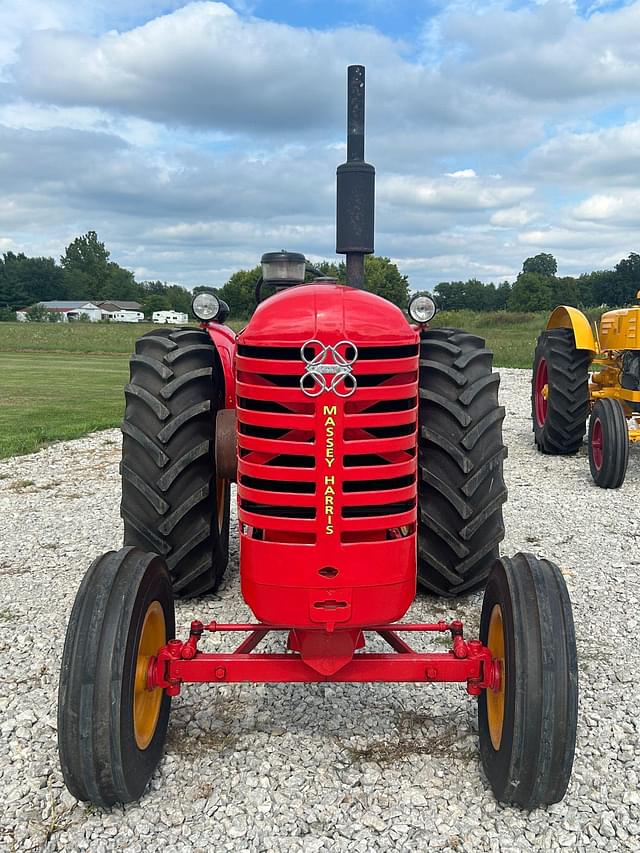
{"points": [[495, 698], [221, 489], [146, 703]]}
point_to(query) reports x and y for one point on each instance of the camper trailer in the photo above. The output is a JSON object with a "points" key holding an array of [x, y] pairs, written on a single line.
{"points": [[169, 317]]}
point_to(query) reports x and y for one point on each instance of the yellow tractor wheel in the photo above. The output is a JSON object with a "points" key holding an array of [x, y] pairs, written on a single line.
{"points": [[111, 726], [527, 722]]}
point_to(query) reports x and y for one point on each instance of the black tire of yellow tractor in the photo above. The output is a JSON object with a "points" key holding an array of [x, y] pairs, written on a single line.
{"points": [[460, 456], [100, 758], [169, 486], [608, 428], [568, 393], [532, 765]]}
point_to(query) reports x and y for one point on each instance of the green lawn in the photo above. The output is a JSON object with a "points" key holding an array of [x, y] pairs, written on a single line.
{"points": [[96, 338], [61, 381], [512, 337], [54, 396]]}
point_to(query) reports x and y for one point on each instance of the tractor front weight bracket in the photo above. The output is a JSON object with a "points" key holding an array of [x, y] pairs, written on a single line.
{"points": [[181, 662]]}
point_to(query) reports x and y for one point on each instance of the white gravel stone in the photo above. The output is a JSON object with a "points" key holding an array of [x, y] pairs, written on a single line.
{"points": [[335, 767]]}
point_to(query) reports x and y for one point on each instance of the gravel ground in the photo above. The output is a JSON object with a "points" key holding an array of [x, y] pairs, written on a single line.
{"points": [[320, 767]]}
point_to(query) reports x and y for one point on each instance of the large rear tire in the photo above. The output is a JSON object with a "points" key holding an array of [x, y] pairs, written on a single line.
{"points": [[172, 502], [527, 726], [461, 488], [111, 728], [559, 392]]}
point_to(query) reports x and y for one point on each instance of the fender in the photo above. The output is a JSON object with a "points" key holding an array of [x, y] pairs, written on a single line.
{"points": [[224, 340], [565, 317]]}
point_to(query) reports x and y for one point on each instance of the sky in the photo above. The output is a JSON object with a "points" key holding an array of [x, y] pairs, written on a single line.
{"points": [[193, 137]]}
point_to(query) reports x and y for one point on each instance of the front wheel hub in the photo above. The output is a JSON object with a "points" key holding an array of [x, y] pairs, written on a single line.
{"points": [[541, 392], [146, 698], [496, 692]]}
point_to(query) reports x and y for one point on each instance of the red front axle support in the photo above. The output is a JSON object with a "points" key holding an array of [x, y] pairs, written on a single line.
{"points": [[181, 662]]}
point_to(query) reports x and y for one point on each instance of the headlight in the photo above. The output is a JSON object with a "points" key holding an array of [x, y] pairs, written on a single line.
{"points": [[422, 308], [283, 268], [205, 306]]}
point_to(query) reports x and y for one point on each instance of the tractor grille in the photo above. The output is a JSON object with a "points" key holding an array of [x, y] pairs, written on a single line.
{"points": [[283, 447]]}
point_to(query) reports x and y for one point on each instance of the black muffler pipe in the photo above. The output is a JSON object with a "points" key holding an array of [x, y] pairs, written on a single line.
{"points": [[355, 187]]}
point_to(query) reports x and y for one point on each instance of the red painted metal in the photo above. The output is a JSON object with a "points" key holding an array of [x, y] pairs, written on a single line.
{"points": [[467, 661], [327, 484], [597, 444], [224, 340], [326, 500], [541, 381]]}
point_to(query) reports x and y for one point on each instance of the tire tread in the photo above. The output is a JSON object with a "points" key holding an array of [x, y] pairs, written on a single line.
{"points": [[568, 400], [461, 488], [168, 468]]}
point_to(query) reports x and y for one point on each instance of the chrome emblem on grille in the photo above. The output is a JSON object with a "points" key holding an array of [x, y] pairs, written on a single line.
{"points": [[328, 369]]}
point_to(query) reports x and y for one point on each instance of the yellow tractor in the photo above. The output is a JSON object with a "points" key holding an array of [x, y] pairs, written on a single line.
{"points": [[577, 370]]}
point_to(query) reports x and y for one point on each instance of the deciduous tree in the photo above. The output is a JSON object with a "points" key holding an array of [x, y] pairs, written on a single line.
{"points": [[531, 292], [542, 264]]}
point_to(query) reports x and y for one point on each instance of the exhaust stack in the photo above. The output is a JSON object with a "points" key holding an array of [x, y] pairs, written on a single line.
{"points": [[355, 187]]}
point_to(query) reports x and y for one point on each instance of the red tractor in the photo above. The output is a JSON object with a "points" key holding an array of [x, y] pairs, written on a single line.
{"points": [[367, 452]]}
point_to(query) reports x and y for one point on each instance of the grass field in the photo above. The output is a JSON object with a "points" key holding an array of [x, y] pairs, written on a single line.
{"points": [[60, 381], [54, 396], [95, 338]]}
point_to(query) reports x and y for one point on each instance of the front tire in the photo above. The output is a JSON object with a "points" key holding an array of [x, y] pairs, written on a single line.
{"points": [[172, 501], [608, 443], [461, 487], [559, 393], [527, 728], [111, 729]]}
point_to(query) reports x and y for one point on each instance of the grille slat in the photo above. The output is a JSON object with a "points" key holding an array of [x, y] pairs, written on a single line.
{"points": [[381, 353], [274, 446], [383, 445], [280, 510], [376, 509], [379, 496], [254, 469], [371, 441], [255, 365], [256, 391], [260, 521], [375, 419], [378, 472], [282, 420], [402, 519], [278, 499]]}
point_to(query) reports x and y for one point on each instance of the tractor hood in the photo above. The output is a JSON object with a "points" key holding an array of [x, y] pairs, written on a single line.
{"points": [[331, 312]]}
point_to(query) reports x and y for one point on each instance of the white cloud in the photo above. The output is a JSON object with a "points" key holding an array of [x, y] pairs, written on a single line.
{"points": [[619, 209], [453, 194], [462, 173], [582, 158], [194, 136], [512, 217], [547, 52]]}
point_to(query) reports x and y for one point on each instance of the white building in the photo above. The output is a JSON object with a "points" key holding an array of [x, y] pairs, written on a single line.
{"points": [[73, 310], [169, 317], [121, 311], [123, 316]]}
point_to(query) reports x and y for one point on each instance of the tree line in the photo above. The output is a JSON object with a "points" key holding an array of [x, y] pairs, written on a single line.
{"points": [[85, 272], [539, 288]]}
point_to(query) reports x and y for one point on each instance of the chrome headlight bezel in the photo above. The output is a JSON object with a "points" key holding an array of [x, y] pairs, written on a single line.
{"points": [[205, 306], [422, 308]]}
